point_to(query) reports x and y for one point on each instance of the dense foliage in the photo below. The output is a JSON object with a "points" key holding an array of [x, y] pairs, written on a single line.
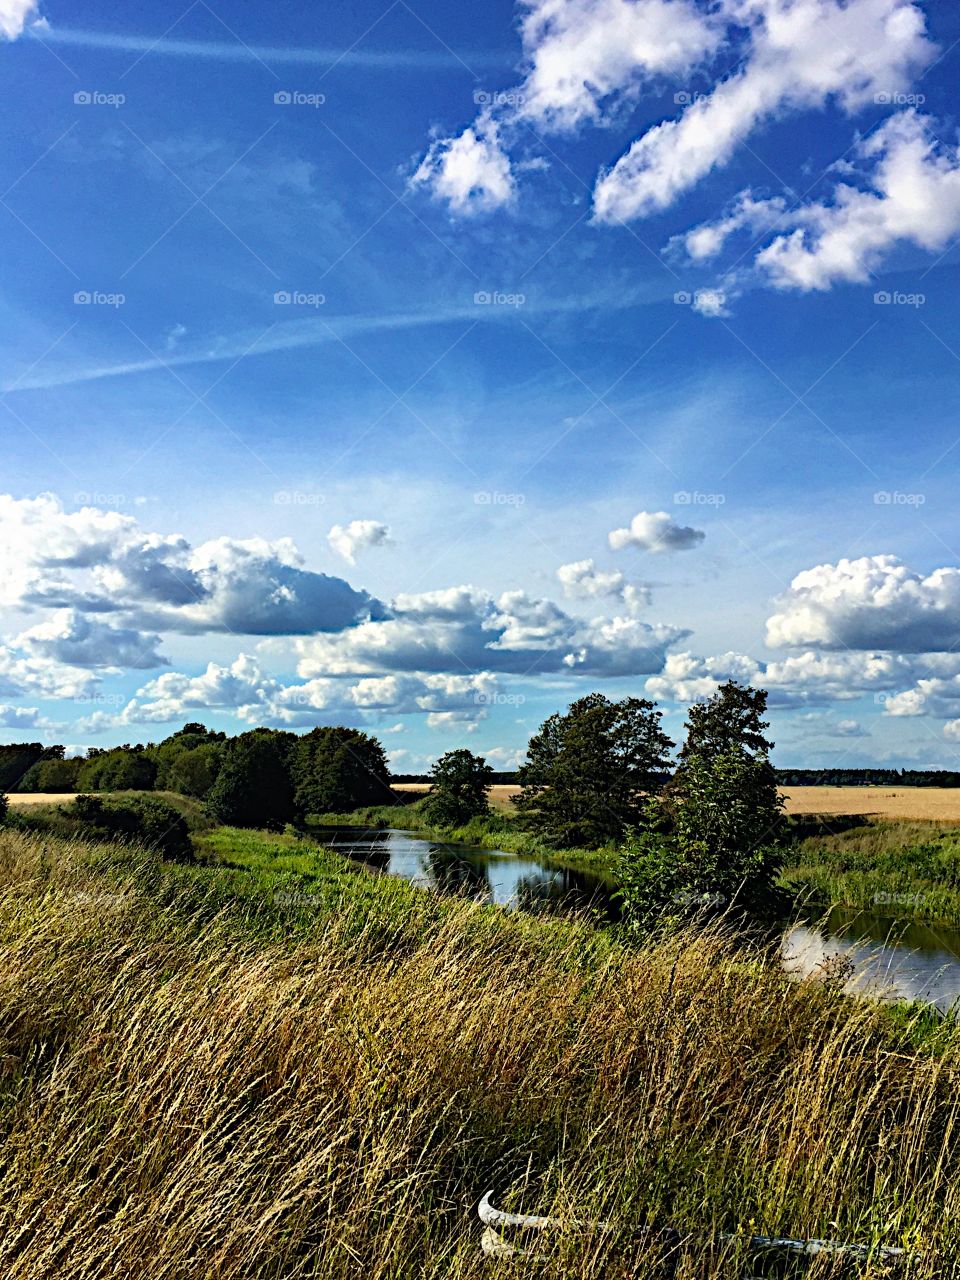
{"points": [[335, 768], [254, 787], [589, 769], [713, 842], [459, 782]]}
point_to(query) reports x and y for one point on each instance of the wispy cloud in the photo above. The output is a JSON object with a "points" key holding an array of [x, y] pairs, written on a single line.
{"points": [[293, 335], [234, 51]]}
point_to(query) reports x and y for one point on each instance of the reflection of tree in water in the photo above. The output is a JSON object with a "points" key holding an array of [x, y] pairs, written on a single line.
{"points": [[563, 891], [455, 874], [371, 847]]}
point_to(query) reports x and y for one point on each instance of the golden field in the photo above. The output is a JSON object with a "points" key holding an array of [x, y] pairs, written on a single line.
{"points": [[939, 804]]}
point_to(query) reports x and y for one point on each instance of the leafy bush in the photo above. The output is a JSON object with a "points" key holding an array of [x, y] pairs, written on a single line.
{"points": [[118, 769], [144, 820], [52, 775]]}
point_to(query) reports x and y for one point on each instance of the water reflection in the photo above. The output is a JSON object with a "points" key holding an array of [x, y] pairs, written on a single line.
{"points": [[483, 875], [892, 959]]}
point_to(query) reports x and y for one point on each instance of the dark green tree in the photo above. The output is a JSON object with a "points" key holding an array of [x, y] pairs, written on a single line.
{"points": [[459, 782], [254, 787], [714, 844], [53, 775], [170, 751], [588, 770], [336, 769], [193, 772]]}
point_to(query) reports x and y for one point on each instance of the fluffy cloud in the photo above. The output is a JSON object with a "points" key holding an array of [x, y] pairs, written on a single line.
{"points": [[655, 531], [29, 674], [242, 688], [95, 561], [471, 172], [358, 535], [805, 679], [800, 55], [17, 14], [245, 690], [582, 580], [747, 213], [911, 196], [874, 602], [73, 638], [461, 629], [21, 717], [585, 54], [689, 678]]}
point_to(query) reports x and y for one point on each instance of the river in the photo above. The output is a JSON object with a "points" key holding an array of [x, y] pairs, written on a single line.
{"points": [[891, 958]]}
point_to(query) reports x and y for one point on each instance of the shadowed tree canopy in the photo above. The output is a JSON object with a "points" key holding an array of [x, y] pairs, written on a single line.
{"points": [[336, 769], [589, 769], [253, 787]]}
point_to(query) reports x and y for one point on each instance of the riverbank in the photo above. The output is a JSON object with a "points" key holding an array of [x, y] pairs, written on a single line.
{"points": [[909, 870], [497, 831], [278, 1062]]}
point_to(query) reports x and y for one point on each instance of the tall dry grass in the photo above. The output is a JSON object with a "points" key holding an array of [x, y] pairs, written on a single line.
{"points": [[182, 1102]]}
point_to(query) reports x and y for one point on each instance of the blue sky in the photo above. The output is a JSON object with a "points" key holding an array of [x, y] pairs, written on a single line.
{"points": [[425, 367]]}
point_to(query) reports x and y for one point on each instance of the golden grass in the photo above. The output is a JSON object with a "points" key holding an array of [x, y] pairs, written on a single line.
{"points": [[182, 1102], [937, 804]]}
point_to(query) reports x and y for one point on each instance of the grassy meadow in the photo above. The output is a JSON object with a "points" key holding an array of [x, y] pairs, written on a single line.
{"points": [[273, 1064]]}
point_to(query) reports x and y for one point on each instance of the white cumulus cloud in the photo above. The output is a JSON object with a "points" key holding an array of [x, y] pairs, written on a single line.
{"points": [[470, 172], [359, 535], [656, 532], [874, 602]]}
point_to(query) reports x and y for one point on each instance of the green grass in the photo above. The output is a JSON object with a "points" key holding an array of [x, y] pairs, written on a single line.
{"points": [[908, 869], [199, 1077]]}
